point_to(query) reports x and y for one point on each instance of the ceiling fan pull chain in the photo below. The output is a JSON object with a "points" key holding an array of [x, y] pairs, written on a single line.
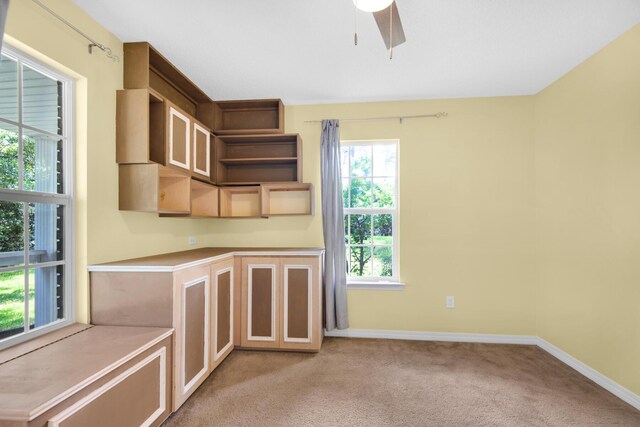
{"points": [[391, 31], [355, 24]]}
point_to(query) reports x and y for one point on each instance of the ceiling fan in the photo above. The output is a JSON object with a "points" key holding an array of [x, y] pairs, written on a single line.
{"points": [[386, 15]]}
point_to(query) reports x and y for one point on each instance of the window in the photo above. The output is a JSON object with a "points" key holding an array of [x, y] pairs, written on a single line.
{"points": [[370, 195], [36, 199]]}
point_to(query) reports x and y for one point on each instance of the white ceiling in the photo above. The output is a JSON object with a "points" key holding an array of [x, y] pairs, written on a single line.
{"points": [[302, 50]]}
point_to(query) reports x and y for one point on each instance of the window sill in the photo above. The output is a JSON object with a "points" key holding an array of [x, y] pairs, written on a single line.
{"points": [[378, 286]]}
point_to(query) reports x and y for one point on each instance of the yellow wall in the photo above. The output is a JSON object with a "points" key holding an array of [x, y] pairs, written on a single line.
{"points": [[102, 232], [466, 213], [523, 208], [588, 211]]}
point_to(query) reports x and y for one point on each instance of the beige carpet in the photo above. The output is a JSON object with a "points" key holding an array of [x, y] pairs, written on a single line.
{"points": [[358, 382]]}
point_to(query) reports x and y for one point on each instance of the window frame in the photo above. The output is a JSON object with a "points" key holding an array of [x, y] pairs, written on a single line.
{"points": [[66, 199], [378, 282]]}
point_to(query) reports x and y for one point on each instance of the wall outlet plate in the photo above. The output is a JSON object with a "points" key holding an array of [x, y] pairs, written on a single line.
{"points": [[192, 240], [451, 302]]}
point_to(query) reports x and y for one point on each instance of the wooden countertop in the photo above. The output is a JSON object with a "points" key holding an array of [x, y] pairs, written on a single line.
{"points": [[179, 260], [34, 382]]}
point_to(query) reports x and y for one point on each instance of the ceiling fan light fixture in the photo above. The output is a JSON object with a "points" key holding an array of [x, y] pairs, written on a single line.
{"points": [[372, 5]]}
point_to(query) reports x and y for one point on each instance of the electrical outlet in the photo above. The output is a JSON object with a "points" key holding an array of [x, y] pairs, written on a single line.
{"points": [[451, 302], [192, 240]]}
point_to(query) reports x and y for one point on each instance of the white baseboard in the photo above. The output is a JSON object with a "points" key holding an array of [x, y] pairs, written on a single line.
{"points": [[433, 336], [603, 381]]}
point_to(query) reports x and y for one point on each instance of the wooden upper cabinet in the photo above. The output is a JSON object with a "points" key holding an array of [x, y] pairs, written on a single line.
{"points": [[201, 151], [178, 138], [140, 127]]}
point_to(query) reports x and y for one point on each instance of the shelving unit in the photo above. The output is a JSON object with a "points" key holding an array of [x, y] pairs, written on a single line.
{"points": [[154, 188], [169, 160], [255, 159], [145, 67], [240, 202], [287, 199], [257, 116]]}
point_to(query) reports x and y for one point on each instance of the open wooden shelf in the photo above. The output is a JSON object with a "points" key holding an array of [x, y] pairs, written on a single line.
{"points": [[259, 160], [145, 67], [204, 200], [257, 116], [240, 202], [154, 188], [287, 199], [242, 159]]}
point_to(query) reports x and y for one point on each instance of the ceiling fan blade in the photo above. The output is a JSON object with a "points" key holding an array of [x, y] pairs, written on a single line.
{"points": [[383, 19]]}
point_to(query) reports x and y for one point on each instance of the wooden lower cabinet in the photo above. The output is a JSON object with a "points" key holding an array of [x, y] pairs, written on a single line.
{"points": [[192, 289], [196, 302], [102, 376], [281, 303], [214, 304], [222, 313]]}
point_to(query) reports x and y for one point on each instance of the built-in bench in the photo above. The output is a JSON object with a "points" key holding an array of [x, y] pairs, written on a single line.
{"points": [[85, 375]]}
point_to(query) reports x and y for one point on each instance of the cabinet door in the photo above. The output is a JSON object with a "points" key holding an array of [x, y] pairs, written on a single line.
{"points": [[192, 331], [221, 311], [179, 138], [260, 312], [300, 303], [201, 151]]}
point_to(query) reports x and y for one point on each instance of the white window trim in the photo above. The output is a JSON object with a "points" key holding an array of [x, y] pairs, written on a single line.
{"points": [[374, 282], [67, 199]]}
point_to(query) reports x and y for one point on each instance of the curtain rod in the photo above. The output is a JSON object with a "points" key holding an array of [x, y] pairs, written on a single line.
{"points": [[107, 51], [400, 118]]}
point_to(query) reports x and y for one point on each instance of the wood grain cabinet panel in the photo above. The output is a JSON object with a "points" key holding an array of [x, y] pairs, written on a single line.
{"points": [[179, 138], [201, 151], [301, 304], [259, 309], [222, 319], [192, 331], [136, 397]]}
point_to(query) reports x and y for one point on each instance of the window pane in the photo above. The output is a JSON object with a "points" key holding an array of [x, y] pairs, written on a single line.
{"points": [[344, 161], [11, 233], [360, 229], [346, 229], [361, 160], [9, 157], [8, 88], [360, 261], [384, 160], [383, 229], [11, 303], [360, 193], [46, 232], [41, 106], [42, 163], [382, 261], [345, 192], [45, 286], [384, 192]]}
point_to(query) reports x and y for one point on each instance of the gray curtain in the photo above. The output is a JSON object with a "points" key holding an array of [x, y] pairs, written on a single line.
{"points": [[336, 313], [4, 9]]}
